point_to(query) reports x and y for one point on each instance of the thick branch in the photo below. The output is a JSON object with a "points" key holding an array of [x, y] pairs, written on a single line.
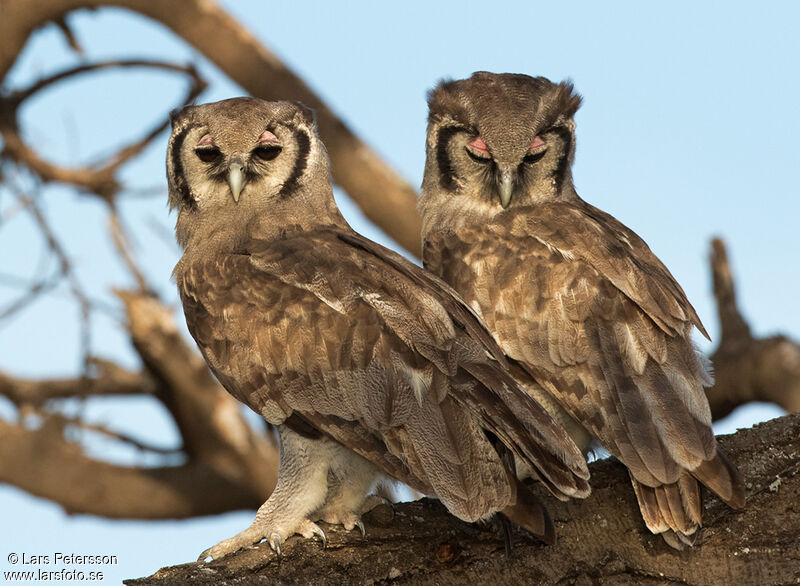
{"points": [[748, 369], [111, 379], [230, 464], [385, 198], [44, 464], [601, 540], [209, 419]]}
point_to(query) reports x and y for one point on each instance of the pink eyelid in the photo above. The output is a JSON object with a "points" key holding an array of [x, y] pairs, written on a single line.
{"points": [[537, 144], [268, 137], [207, 140], [479, 147]]}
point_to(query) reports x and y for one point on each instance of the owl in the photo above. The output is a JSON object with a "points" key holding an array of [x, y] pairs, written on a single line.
{"points": [[596, 327], [369, 366]]}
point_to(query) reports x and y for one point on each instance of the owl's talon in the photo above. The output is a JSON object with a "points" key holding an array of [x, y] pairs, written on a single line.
{"points": [[239, 541], [205, 555], [275, 543], [308, 529], [360, 524]]}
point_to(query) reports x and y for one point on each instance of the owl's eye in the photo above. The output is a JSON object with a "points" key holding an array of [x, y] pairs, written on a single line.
{"points": [[267, 152], [478, 150], [536, 150], [208, 154]]}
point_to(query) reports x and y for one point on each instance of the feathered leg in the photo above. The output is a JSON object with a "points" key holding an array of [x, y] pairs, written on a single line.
{"points": [[301, 489], [350, 479]]}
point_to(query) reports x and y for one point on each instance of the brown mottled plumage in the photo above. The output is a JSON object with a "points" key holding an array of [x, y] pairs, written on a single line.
{"points": [[578, 300], [365, 362]]}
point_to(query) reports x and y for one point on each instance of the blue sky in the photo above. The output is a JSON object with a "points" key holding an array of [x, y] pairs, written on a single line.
{"points": [[688, 131]]}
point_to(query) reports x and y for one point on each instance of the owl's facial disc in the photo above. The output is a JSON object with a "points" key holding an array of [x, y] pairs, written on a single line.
{"points": [[506, 174], [240, 164]]}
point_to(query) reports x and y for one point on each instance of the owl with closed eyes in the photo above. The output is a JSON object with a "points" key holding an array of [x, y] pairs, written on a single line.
{"points": [[368, 365], [596, 327]]}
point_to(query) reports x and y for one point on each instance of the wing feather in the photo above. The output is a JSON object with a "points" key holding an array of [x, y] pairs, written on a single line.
{"points": [[596, 319], [584, 305], [363, 345]]}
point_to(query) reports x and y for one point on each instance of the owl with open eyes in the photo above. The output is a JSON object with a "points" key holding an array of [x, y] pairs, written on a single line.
{"points": [[597, 328]]}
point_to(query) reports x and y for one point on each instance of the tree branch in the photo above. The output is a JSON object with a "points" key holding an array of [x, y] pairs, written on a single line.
{"points": [[230, 465], [601, 540], [208, 417], [44, 464], [383, 196], [96, 179], [121, 437], [110, 379], [748, 369]]}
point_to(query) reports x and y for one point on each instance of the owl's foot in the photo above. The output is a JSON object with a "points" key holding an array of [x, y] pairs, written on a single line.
{"points": [[301, 489], [383, 507], [337, 513], [275, 534], [348, 520]]}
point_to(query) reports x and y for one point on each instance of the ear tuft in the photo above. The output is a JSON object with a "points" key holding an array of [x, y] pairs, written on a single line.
{"points": [[178, 114], [569, 100], [445, 103], [307, 114]]}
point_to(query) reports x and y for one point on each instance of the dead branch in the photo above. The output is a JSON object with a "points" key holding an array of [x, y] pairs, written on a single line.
{"points": [[121, 437], [110, 380], [210, 420], [69, 36], [99, 179], [385, 198], [67, 272], [601, 540], [121, 240], [748, 369], [230, 465], [225, 455], [32, 292], [41, 462]]}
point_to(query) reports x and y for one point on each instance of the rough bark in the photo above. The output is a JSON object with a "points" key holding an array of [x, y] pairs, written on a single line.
{"points": [[601, 540]]}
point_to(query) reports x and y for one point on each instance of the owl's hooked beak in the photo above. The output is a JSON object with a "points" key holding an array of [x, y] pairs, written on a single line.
{"points": [[507, 180], [236, 178]]}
